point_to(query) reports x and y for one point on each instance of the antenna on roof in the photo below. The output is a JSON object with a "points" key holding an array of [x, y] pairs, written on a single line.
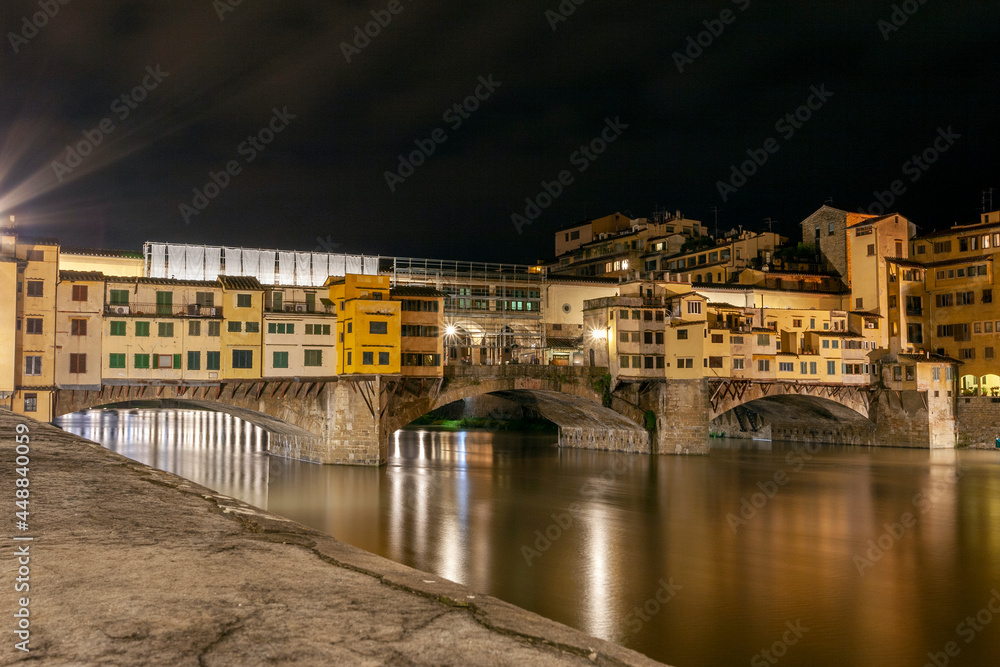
{"points": [[769, 222], [715, 210], [988, 194], [829, 200]]}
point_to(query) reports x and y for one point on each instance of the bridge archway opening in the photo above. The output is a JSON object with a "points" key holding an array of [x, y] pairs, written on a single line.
{"points": [[969, 385], [795, 417], [490, 410]]}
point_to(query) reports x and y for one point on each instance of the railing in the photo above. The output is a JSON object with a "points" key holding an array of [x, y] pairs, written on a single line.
{"points": [[292, 307], [914, 312], [163, 310]]}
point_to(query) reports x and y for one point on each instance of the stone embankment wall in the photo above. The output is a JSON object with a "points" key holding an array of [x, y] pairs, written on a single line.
{"points": [[978, 419]]}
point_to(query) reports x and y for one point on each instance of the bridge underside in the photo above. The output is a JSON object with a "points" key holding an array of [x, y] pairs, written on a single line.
{"points": [[799, 418], [582, 423]]}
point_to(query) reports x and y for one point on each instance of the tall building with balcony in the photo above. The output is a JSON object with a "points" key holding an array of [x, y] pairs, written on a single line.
{"points": [[368, 326]]}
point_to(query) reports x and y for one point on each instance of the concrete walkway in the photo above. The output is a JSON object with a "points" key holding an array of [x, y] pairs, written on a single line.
{"points": [[133, 566]]}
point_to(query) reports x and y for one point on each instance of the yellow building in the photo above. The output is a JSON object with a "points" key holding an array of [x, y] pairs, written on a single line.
{"points": [[422, 330], [368, 325], [35, 329], [300, 333], [79, 324], [161, 329], [242, 341]]}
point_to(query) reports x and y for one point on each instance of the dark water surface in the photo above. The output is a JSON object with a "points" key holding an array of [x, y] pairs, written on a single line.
{"points": [[841, 556]]}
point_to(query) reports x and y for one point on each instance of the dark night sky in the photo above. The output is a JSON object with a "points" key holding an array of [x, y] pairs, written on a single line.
{"points": [[323, 175]]}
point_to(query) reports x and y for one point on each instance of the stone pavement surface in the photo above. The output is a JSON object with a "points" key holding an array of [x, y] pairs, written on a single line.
{"points": [[133, 566]]}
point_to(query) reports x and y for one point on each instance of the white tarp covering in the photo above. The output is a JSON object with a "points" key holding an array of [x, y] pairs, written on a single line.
{"points": [[303, 272], [320, 268], [190, 262], [233, 265], [157, 260], [213, 263], [176, 261], [338, 265], [195, 263], [251, 263], [266, 267], [286, 268]]}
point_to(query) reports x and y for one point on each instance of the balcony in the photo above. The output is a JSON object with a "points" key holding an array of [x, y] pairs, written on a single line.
{"points": [[914, 312], [163, 310]]}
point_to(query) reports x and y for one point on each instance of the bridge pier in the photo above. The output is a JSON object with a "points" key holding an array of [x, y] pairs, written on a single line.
{"points": [[682, 417]]}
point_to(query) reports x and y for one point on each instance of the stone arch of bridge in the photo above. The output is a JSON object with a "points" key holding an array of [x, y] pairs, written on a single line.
{"points": [[730, 394]]}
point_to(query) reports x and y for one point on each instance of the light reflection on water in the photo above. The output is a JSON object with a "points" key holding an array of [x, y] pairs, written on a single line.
{"points": [[471, 507]]}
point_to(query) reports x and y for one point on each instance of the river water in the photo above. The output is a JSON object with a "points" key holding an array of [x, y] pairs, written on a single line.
{"points": [[759, 554]]}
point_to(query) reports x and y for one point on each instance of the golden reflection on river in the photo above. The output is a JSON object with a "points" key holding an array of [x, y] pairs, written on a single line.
{"points": [[814, 555]]}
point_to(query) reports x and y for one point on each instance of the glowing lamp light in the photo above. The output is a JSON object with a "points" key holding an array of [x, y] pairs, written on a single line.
{"points": [[449, 330], [598, 334]]}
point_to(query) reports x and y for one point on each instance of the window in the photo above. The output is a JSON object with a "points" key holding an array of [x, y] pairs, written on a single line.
{"points": [[718, 338], [142, 329], [892, 301], [685, 363], [694, 307], [647, 337], [738, 363], [635, 336], [213, 360], [165, 329], [367, 358], [31, 402], [763, 340], [234, 327], [803, 367], [647, 362], [350, 327], [116, 361], [812, 368], [871, 249], [77, 327], [831, 367], [736, 340], [966, 353], [826, 344], [313, 358], [36, 255], [797, 323], [636, 361], [987, 296], [829, 229], [253, 327], [977, 327], [35, 288], [79, 293], [659, 362], [140, 361], [921, 249], [164, 303], [715, 362], [378, 327], [242, 358], [623, 361], [965, 298], [214, 328], [915, 332], [383, 358], [623, 315], [786, 367], [623, 337], [348, 358], [77, 363], [764, 365], [659, 338], [944, 300], [119, 297], [243, 301], [279, 359], [859, 303], [194, 328], [33, 365], [949, 373], [204, 299], [988, 327], [897, 373], [273, 328], [988, 353], [936, 372], [682, 334], [194, 361], [33, 325], [164, 360]]}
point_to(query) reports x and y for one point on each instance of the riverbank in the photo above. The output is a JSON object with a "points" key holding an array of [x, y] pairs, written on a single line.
{"points": [[130, 565]]}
